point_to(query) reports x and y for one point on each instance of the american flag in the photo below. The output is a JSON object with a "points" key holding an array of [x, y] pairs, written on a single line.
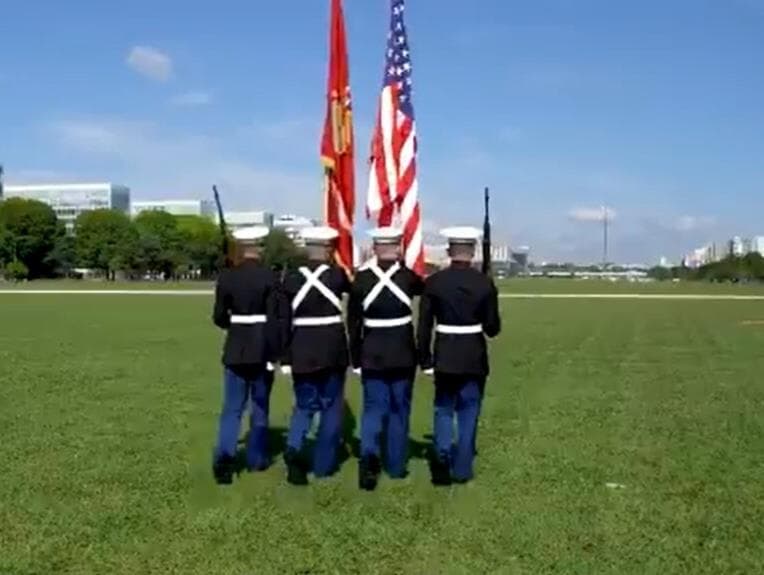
{"points": [[393, 190]]}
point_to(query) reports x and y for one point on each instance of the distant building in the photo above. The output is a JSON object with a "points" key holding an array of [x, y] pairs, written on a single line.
{"points": [[237, 220], [436, 255], [714, 252], [203, 208], [500, 254], [293, 225], [70, 200], [757, 244], [520, 260], [737, 247]]}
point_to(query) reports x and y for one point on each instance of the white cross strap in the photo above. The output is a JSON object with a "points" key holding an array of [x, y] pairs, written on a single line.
{"points": [[385, 280], [392, 322], [316, 321], [248, 319], [459, 329], [312, 280]]}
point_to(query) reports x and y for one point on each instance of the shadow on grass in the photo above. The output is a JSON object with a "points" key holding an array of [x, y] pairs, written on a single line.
{"points": [[276, 446], [350, 445], [417, 449]]}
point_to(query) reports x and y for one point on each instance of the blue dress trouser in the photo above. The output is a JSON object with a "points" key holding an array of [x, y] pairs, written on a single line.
{"points": [[387, 400], [239, 386], [318, 393], [458, 396]]}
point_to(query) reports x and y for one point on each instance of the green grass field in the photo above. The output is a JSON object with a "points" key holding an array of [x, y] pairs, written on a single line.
{"points": [[108, 412]]}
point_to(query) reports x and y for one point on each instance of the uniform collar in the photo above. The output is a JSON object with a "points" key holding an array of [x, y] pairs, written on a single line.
{"points": [[386, 265], [311, 265], [461, 265]]}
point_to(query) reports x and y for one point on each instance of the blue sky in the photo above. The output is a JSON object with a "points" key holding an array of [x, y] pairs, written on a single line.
{"points": [[651, 107]]}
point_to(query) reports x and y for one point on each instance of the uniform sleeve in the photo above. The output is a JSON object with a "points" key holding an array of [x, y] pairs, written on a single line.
{"points": [[355, 322], [345, 283], [417, 284], [273, 310], [492, 320], [424, 331], [286, 293], [221, 316]]}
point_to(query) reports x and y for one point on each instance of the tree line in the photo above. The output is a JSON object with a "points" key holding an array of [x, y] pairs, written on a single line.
{"points": [[734, 269], [34, 244]]}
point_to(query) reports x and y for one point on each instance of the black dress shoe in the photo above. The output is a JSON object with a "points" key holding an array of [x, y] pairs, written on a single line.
{"points": [[369, 468], [223, 469], [440, 471], [297, 468]]}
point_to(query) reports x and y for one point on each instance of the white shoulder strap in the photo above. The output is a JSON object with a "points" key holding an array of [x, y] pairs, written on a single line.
{"points": [[312, 280], [385, 280]]}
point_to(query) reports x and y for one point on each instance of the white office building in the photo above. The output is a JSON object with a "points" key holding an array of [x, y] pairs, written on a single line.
{"points": [[737, 247], [237, 220], [293, 225], [70, 200], [757, 244], [203, 208], [437, 255]]}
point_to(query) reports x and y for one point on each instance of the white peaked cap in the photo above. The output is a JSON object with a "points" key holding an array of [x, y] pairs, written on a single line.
{"points": [[319, 235], [252, 234], [462, 235], [386, 235]]}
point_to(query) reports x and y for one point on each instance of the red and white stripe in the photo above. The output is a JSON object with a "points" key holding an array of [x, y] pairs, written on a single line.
{"points": [[393, 197]]}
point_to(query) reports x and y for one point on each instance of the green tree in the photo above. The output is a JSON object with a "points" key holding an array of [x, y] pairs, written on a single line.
{"points": [[200, 243], [63, 258], [279, 251], [159, 242], [16, 271], [7, 249], [660, 273], [33, 229], [754, 264], [106, 240]]}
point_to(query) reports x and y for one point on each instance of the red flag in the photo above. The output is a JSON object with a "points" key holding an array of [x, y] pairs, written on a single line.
{"points": [[337, 142]]}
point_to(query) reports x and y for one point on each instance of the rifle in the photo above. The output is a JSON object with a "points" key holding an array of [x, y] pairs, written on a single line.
{"points": [[487, 236], [227, 261]]}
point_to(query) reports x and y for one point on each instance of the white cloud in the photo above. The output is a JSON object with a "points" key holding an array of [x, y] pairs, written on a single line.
{"points": [[150, 62], [693, 223], [291, 130], [591, 214], [28, 176], [156, 163], [191, 99]]}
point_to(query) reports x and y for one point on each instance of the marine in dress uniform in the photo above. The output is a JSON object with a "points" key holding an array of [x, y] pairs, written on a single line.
{"points": [[383, 351], [246, 305], [461, 304], [316, 355]]}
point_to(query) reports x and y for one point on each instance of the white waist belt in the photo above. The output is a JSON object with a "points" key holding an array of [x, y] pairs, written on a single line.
{"points": [[248, 319], [394, 322], [459, 329], [316, 321]]}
